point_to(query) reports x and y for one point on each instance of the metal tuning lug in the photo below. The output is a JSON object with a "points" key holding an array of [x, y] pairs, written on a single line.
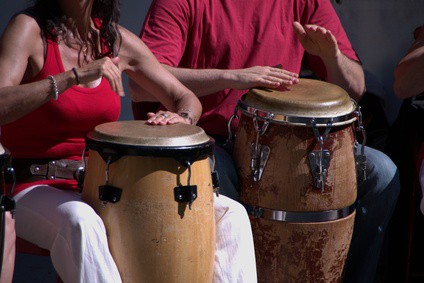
{"points": [[108, 193], [319, 162], [258, 162], [185, 194], [361, 166], [215, 182]]}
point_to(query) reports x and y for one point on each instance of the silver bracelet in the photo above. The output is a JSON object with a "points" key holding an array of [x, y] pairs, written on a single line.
{"points": [[55, 90]]}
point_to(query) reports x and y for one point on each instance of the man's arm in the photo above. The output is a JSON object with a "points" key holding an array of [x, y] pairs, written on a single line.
{"points": [[341, 70], [207, 81]]}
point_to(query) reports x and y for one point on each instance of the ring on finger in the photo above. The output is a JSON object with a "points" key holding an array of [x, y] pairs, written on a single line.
{"points": [[164, 115]]}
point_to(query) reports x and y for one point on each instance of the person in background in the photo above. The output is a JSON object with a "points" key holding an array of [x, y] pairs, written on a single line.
{"points": [[60, 76], [219, 49], [405, 145]]}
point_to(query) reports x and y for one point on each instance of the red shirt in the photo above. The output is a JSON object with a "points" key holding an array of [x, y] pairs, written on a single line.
{"points": [[232, 34], [58, 128]]}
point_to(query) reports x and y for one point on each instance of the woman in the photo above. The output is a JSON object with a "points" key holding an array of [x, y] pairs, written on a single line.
{"points": [[60, 70], [409, 86]]}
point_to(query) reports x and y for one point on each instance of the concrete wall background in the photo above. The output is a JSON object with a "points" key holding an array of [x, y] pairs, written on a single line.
{"points": [[380, 31]]}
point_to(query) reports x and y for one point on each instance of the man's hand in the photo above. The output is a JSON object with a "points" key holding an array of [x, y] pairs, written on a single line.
{"points": [[317, 40], [261, 76]]}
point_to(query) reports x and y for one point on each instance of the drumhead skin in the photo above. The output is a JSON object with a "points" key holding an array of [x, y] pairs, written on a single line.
{"points": [[309, 98], [183, 142], [139, 133]]}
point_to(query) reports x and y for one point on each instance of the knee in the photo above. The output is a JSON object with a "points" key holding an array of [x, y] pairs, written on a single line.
{"points": [[231, 215], [81, 221], [382, 177], [379, 164]]}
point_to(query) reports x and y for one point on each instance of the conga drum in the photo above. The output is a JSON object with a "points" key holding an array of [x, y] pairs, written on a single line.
{"points": [[152, 187], [7, 221], [294, 152]]}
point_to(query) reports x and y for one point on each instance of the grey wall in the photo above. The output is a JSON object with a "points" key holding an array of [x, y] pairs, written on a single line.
{"points": [[380, 31]]}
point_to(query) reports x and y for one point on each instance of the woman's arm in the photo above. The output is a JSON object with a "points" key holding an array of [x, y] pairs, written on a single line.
{"points": [[22, 56], [143, 68], [409, 73], [22, 52]]}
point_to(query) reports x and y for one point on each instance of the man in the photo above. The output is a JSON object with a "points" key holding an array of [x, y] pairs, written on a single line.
{"points": [[219, 49]]}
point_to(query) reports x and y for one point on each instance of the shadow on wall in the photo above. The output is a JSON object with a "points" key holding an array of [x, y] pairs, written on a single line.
{"points": [[381, 31]]}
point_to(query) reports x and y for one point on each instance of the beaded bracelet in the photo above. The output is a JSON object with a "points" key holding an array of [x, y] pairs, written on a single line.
{"points": [[55, 90]]}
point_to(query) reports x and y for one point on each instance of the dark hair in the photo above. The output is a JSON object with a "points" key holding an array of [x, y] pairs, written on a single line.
{"points": [[106, 13]]}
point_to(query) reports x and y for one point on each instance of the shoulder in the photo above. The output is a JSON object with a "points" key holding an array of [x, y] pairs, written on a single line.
{"points": [[23, 26]]}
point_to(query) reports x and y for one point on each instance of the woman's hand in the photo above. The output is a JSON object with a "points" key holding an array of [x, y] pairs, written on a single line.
{"points": [[166, 118], [105, 67]]}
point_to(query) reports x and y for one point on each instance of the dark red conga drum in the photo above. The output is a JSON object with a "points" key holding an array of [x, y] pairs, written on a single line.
{"points": [[294, 151], [7, 221], [152, 187]]}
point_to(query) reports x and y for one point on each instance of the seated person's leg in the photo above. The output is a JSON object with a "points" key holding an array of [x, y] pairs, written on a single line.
{"points": [[75, 235], [234, 251], [375, 203], [228, 178]]}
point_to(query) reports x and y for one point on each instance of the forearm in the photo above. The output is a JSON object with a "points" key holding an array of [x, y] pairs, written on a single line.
{"points": [[202, 81], [17, 101], [163, 87], [409, 74], [347, 74]]}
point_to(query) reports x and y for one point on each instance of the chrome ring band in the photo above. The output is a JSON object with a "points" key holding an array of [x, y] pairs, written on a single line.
{"points": [[296, 216], [306, 121]]}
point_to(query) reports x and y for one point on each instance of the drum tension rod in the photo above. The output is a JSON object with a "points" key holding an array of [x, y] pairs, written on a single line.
{"points": [[319, 160], [259, 152], [229, 143], [184, 194], [108, 193], [360, 159]]}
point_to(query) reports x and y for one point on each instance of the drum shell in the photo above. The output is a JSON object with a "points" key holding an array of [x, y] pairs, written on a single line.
{"points": [[301, 252], [7, 224], [298, 252], [287, 183], [149, 239]]}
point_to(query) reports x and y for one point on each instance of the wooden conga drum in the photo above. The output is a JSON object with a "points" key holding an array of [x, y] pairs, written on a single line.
{"points": [[7, 220], [152, 187], [294, 152]]}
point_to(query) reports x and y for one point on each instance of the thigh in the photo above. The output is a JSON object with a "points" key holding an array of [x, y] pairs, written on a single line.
{"points": [[43, 211], [381, 174]]}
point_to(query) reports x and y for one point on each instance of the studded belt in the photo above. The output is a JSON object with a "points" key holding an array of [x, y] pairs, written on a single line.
{"points": [[29, 170]]}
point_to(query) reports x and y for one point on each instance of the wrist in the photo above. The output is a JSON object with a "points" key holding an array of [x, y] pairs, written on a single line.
{"points": [[77, 80], [188, 114]]}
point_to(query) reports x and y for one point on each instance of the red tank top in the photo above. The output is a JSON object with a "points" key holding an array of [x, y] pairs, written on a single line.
{"points": [[58, 128]]}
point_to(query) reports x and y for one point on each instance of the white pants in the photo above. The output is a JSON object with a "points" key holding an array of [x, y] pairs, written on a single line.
{"points": [[76, 238]]}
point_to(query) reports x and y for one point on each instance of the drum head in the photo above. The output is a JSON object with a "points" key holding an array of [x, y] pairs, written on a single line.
{"points": [[308, 98], [138, 133], [136, 138]]}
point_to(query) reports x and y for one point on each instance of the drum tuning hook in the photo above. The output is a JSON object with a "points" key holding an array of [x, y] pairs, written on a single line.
{"points": [[186, 193]]}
